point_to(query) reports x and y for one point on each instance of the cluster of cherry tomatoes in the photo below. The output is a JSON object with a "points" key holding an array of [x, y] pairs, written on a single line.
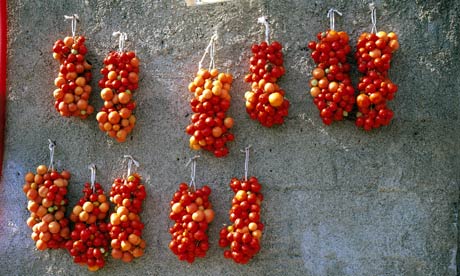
{"points": [[46, 191], [266, 101], [331, 85], [209, 127], [244, 235], [375, 88], [89, 242], [125, 227], [120, 79], [191, 212], [73, 89]]}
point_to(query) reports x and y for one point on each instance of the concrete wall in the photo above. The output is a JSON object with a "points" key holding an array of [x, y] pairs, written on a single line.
{"points": [[338, 200]]}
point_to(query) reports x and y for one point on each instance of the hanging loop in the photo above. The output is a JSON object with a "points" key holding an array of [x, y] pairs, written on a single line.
{"points": [[73, 23], [246, 162], [122, 37], [92, 168], [373, 18], [331, 15], [52, 145], [131, 162], [193, 171], [210, 49], [263, 20]]}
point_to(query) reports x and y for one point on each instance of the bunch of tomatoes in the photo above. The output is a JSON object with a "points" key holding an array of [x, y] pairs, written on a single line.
{"points": [[209, 127], [120, 80], [89, 242], [243, 236], [73, 88], [125, 227], [331, 85], [191, 212], [46, 192], [266, 101], [374, 55]]}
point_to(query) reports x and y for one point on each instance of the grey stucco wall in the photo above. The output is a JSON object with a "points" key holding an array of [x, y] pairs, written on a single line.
{"points": [[338, 200]]}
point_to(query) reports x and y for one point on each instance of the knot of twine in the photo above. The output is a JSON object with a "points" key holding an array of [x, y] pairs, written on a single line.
{"points": [[263, 20], [246, 162], [73, 23], [122, 37], [92, 168], [131, 162], [51, 147], [210, 49], [193, 171], [331, 15], [373, 18]]}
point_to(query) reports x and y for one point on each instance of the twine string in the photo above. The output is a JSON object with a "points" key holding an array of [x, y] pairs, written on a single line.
{"points": [[73, 22], [373, 18], [246, 162], [331, 15], [210, 49], [131, 162], [193, 171], [122, 37], [92, 168], [51, 147], [263, 20]]}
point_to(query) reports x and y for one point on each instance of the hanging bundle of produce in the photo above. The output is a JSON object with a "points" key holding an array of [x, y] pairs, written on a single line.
{"points": [[375, 50], [73, 88], [89, 243], [243, 236], [120, 80], [209, 126], [191, 212], [266, 101], [331, 87], [46, 191], [125, 227]]}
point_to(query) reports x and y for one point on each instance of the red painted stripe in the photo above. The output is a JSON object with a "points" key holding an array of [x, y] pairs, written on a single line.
{"points": [[3, 45]]}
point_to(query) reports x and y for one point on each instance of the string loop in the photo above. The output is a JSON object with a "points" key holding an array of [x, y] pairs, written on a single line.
{"points": [[51, 146], [263, 20], [192, 160], [210, 49], [122, 37], [131, 162], [246, 162], [92, 168], [373, 18], [73, 23], [331, 15]]}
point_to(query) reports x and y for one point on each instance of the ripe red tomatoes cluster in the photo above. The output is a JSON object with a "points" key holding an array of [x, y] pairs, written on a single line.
{"points": [[191, 212], [209, 127], [266, 102], [46, 192], [73, 89], [331, 85], [375, 88], [89, 242], [120, 79], [244, 235], [125, 227]]}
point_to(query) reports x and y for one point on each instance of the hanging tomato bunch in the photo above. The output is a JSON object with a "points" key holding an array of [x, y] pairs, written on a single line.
{"points": [[89, 242], [374, 55], [125, 227], [209, 127], [46, 192], [73, 89], [120, 80], [266, 101], [191, 212], [331, 85], [243, 236]]}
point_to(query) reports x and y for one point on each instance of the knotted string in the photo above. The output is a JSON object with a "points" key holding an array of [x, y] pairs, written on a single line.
{"points": [[373, 18], [122, 37], [193, 171], [263, 20], [246, 162], [210, 49], [73, 23], [92, 168], [131, 162], [51, 146], [331, 15]]}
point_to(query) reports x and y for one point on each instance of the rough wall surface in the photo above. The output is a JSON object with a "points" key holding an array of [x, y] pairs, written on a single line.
{"points": [[338, 200]]}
